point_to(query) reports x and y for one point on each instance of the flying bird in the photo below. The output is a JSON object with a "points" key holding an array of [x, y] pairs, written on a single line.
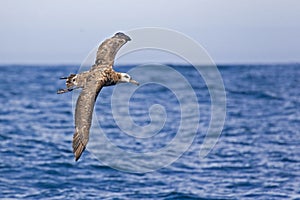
{"points": [[100, 75]]}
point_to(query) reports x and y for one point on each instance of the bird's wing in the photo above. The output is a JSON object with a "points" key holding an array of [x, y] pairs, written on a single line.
{"points": [[84, 112], [108, 49]]}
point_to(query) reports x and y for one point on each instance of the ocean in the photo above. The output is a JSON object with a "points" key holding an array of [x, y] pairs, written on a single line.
{"points": [[257, 155]]}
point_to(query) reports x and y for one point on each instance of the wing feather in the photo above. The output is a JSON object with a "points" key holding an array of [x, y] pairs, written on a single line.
{"points": [[83, 114], [108, 49]]}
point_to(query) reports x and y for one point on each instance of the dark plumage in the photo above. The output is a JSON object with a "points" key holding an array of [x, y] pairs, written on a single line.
{"points": [[100, 75]]}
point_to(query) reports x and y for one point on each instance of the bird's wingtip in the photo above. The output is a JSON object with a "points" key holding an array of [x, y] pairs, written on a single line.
{"points": [[78, 145], [78, 152], [122, 35], [77, 158]]}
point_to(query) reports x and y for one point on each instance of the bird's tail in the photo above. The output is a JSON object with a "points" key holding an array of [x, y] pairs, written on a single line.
{"points": [[70, 80], [70, 83]]}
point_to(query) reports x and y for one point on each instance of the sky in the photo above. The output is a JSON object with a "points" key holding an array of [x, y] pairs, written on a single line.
{"points": [[232, 31]]}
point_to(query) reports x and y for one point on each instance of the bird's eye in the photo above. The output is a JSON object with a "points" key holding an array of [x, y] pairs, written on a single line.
{"points": [[126, 76]]}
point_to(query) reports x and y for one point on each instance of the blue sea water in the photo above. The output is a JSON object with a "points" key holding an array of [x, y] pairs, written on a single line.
{"points": [[256, 157]]}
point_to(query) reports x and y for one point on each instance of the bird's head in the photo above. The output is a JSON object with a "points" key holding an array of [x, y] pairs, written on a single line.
{"points": [[125, 78]]}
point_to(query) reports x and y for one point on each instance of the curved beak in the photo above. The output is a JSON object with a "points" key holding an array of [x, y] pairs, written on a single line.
{"points": [[134, 82]]}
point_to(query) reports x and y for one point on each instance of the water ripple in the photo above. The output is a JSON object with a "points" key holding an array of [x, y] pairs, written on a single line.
{"points": [[257, 155]]}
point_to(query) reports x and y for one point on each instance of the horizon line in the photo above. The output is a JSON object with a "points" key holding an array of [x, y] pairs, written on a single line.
{"points": [[33, 64]]}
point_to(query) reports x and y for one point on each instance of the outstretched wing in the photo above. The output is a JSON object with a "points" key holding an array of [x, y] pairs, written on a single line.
{"points": [[84, 112], [108, 49]]}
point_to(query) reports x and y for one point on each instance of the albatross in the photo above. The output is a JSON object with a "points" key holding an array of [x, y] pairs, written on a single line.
{"points": [[100, 75]]}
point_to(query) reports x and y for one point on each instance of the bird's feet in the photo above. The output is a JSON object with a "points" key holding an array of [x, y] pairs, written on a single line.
{"points": [[61, 91]]}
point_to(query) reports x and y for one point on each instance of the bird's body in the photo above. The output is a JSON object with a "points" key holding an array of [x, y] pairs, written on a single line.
{"points": [[100, 75]]}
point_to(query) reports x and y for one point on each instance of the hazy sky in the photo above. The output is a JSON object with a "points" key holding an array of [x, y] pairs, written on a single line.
{"points": [[232, 31]]}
